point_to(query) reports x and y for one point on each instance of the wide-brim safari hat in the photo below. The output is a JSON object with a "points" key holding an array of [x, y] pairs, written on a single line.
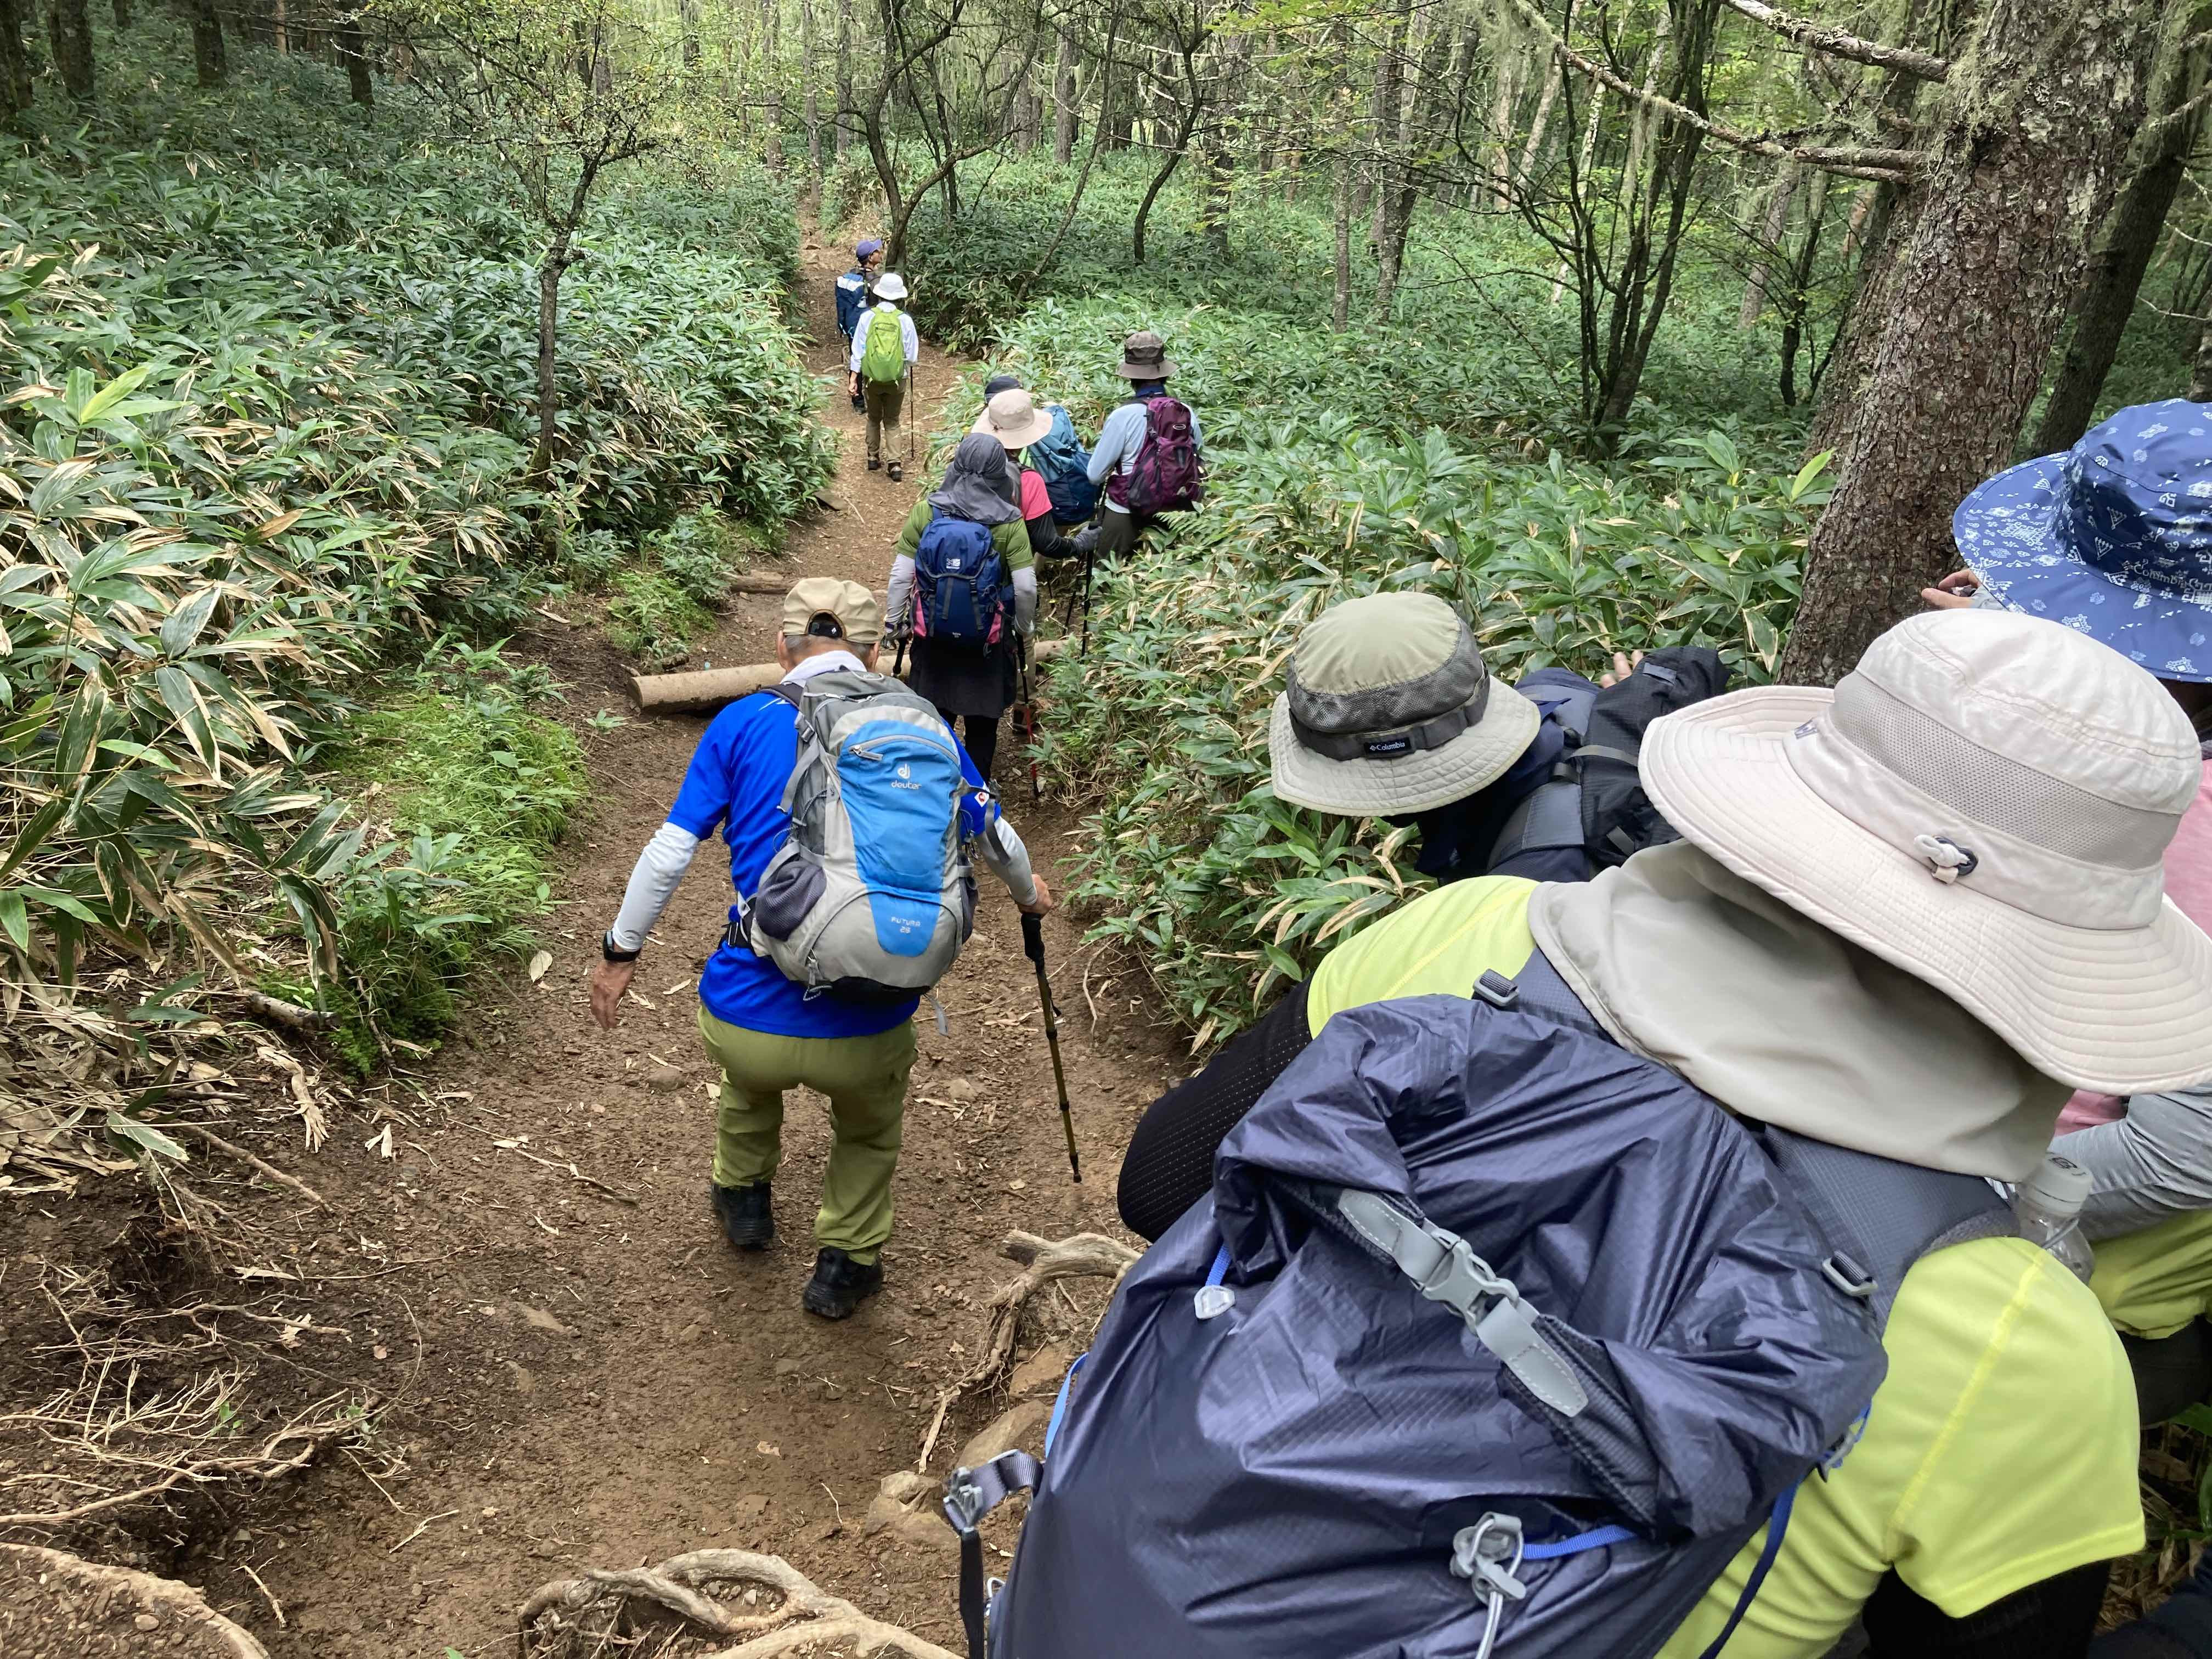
{"points": [[890, 286], [1012, 417], [1145, 357], [1984, 802], [2112, 538], [1388, 708]]}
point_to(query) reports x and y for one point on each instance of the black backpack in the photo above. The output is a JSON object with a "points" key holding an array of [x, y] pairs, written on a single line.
{"points": [[1594, 798]]}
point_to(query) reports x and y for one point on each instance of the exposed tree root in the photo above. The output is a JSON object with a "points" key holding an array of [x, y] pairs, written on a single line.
{"points": [[165, 1598], [1078, 1256], [577, 1616]]}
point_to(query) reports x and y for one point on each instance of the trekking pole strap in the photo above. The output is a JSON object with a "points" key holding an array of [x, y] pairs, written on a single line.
{"points": [[1778, 1526], [969, 1495]]}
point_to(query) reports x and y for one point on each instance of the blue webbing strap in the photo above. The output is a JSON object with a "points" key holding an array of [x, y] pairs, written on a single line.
{"points": [[1596, 1538], [1218, 1272], [1778, 1524]]}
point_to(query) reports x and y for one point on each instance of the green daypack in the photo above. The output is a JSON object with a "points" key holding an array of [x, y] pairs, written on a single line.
{"points": [[883, 358]]}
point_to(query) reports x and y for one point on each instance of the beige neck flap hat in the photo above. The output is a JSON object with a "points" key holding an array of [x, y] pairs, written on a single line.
{"points": [[1390, 709], [858, 614], [1983, 802]]}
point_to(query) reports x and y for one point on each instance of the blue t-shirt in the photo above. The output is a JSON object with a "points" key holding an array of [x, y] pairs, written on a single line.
{"points": [[737, 779]]}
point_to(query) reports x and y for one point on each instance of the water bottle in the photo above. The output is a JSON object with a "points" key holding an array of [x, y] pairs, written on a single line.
{"points": [[2048, 1207]]}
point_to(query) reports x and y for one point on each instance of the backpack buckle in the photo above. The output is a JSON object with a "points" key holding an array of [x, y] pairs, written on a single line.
{"points": [[1847, 1276], [1494, 988], [964, 1503]]}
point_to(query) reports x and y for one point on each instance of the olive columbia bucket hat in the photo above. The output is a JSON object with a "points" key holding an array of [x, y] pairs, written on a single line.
{"points": [[1388, 708]]}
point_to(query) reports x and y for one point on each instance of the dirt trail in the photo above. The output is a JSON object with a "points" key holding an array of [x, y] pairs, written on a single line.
{"points": [[600, 1384]]}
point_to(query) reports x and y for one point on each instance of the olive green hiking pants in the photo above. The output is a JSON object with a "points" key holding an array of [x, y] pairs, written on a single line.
{"points": [[883, 400], [864, 1077]]}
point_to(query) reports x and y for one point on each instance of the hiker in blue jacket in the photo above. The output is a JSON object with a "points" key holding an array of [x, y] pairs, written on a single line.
{"points": [[1145, 364], [853, 295], [767, 1033]]}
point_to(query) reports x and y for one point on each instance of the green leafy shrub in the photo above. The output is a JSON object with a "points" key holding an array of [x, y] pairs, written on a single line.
{"points": [[264, 376], [464, 793]]}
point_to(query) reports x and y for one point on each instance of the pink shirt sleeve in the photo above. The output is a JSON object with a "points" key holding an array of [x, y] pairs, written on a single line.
{"points": [[1036, 503], [2188, 885]]}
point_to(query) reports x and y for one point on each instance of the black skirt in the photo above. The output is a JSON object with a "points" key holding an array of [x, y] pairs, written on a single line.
{"points": [[963, 680]]}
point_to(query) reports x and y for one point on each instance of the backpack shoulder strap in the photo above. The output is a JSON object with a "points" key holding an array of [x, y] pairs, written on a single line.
{"points": [[1878, 1216]]}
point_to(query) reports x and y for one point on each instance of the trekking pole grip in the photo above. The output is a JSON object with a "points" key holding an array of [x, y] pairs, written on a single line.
{"points": [[1033, 937]]}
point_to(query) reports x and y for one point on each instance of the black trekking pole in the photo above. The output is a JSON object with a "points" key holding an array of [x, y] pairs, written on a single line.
{"points": [[1033, 948], [1029, 715]]}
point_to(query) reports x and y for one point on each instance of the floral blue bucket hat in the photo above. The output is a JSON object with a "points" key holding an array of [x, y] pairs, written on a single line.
{"points": [[2112, 538]]}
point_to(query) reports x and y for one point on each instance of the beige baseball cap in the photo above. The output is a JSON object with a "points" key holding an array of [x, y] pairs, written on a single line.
{"points": [[858, 612]]}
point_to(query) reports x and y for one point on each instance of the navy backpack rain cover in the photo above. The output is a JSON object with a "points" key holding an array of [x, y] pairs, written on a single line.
{"points": [[1286, 1479]]}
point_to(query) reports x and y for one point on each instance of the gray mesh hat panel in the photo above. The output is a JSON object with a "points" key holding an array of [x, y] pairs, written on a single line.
{"points": [[1462, 678]]}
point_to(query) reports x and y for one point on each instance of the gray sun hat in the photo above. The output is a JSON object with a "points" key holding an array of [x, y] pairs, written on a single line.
{"points": [[1145, 357], [1390, 709]]}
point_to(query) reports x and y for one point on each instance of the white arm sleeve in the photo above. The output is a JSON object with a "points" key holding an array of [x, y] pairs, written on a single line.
{"points": [[898, 595], [652, 884], [1005, 857], [1026, 600]]}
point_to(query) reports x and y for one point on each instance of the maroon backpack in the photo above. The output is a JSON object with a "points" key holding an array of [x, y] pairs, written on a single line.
{"points": [[1166, 475]]}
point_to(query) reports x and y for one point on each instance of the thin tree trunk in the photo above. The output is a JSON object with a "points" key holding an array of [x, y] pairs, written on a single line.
{"points": [[2024, 154], [69, 29], [1550, 96], [847, 133], [15, 59], [354, 51], [2129, 239], [1386, 115], [687, 24], [279, 34], [811, 102], [550, 269], [1424, 114], [1640, 118], [1339, 307], [209, 60], [772, 66], [1063, 100], [1770, 253], [1795, 300], [1193, 90]]}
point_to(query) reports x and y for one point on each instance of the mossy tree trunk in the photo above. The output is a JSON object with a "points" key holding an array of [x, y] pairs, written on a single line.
{"points": [[69, 27], [15, 59], [2024, 152], [209, 59], [2130, 239]]}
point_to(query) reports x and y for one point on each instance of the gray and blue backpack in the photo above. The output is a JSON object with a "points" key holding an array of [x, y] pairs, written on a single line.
{"points": [[870, 897], [1494, 1338]]}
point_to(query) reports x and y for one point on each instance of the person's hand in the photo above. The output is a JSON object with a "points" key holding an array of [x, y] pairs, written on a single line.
{"points": [[1955, 592], [1086, 540], [609, 980], [852, 386], [1045, 903], [1622, 669]]}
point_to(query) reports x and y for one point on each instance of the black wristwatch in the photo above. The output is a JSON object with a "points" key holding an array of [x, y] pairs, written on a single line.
{"points": [[608, 949]]}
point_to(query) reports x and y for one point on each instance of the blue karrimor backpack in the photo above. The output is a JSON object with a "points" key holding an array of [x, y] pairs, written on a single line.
{"points": [[1059, 458], [961, 593], [1493, 1338]]}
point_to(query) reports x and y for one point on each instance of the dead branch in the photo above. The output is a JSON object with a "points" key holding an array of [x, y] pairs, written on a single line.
{"points": [[805, 1616], [262, 1167], [1880, 165], [275, 1011], [1837, 43], [180, 1603], [1047, 1259]]}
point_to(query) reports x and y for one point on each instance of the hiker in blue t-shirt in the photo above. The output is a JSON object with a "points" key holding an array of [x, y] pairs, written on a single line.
{"points": [[765, 1032]]}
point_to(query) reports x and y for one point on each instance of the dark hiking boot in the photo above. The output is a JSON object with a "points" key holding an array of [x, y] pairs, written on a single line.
{"points": [[747, 1221], [896, 472], [841, 1285], [874, 466]]}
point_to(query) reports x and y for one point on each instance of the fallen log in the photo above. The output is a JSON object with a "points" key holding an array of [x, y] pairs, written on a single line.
{"points": [[706, 689]]}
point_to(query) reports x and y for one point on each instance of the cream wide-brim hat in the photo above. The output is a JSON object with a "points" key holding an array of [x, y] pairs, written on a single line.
{"points": [[2116, 1008], [1024, 422]]}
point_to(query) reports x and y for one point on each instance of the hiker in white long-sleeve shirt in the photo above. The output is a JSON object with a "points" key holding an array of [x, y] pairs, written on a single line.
{"points": [[879, 377], [1121, 444]]}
